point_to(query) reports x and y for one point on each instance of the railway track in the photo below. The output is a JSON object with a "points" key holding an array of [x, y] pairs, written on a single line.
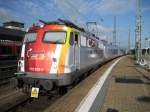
{"points": [[11, 100], [39, 104], [20, 102], [6, 73]]}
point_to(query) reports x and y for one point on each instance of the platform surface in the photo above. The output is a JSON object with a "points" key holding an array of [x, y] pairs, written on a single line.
{"points": [[70, 101], [129, 88]]}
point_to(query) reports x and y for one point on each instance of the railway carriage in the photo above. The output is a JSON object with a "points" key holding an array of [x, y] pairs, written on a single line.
{"points": [[58, 53]]}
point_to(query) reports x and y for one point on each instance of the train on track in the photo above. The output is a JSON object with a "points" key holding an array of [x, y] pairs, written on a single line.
{"points": [[58, 53]]}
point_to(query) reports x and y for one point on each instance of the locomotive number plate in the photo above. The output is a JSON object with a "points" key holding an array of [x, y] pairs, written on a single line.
{"points": [[35, 92]]}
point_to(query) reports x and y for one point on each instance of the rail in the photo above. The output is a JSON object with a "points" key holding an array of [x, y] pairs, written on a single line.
{"points": [[7, 72]]}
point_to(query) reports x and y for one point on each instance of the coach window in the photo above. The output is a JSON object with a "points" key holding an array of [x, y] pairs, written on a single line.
{"points": [[93, 43], [83, 41], [71, 39], [89, 42]]}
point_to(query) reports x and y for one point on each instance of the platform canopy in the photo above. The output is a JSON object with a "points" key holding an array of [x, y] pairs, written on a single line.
{"points": [[11, 34]]}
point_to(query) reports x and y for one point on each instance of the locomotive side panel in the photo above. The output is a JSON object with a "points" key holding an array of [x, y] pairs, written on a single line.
{"points": [[91, 52]]}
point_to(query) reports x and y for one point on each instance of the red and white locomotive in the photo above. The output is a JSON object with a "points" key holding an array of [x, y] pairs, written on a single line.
{"points": [[58, 53]]}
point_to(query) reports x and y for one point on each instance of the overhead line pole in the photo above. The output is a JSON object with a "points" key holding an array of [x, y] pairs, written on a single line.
{"points": [[129, 42], [114, 31], [138, 50]]}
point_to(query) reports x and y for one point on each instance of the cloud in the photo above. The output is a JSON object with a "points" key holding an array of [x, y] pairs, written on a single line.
{"points": [[106, 29], [146, 9], [5, 15], [28, 11], [106, 7], [78, 11], [74, 10], [3, 12]]}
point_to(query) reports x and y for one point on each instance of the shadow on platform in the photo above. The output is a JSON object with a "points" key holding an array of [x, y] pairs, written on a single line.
{"points": [[112, 110], [128, 79], [144, 76], [145, 99]]}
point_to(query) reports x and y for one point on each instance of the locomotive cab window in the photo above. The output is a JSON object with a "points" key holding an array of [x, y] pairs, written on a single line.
{"points": [[30, 37], [58, 37]]}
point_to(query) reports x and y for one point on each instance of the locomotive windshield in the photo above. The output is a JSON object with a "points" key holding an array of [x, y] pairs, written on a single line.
{"points": [[30, 37], [55, 37]]}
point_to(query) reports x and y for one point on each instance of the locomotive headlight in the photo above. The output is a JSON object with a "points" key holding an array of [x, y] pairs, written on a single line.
{"points": [[54, 66], [20, 65]]}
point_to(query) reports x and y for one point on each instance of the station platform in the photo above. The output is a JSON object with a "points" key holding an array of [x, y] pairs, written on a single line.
{"points": [[118, 86], [129, 88]]}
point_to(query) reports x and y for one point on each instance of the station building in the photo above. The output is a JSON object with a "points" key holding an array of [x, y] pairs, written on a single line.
{"points": [[11, 36]]}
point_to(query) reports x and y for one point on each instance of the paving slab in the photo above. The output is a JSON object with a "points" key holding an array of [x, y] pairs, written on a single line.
{"points": [[129, 88]]}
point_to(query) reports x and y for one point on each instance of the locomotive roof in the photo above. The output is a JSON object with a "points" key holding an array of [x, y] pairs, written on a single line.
{"points": [[63, 22], [69, 24]]}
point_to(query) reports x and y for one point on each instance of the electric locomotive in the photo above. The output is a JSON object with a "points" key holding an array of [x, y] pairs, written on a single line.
{"points": [[58, 53]]}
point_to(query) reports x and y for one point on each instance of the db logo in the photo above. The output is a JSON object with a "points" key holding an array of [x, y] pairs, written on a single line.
{"points": [[28, 52]]}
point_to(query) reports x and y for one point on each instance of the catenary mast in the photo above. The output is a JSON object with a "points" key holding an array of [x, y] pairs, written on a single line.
{"points": [[129, 42], [114, 31], [138, 51]]}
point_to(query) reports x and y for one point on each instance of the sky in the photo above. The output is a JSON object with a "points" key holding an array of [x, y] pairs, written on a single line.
{"points": [[82, 11]]}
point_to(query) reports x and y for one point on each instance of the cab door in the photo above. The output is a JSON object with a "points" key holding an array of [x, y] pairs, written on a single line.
{"points": [[77, 50]]}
